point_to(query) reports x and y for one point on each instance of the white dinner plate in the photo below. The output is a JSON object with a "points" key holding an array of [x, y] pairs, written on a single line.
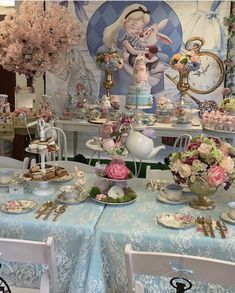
{"points": [[176, 221]]}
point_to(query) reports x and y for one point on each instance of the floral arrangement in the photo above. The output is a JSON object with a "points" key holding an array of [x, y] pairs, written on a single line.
{"points": [[182, 62], [109, 60], [228, 104], [115, 170], [34, 40], [207, 160]]}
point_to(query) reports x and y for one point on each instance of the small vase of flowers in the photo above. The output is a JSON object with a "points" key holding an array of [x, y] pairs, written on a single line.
{"points": [[207, 164]]}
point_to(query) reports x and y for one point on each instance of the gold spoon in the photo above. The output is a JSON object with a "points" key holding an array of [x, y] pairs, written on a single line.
{"points": [[201, 220]]}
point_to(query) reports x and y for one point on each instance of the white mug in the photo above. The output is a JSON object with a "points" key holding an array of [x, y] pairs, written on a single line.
{"points": [[231, 212], [172, 192]]}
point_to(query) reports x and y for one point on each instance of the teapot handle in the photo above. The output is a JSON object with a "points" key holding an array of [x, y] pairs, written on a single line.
{"points": [[123, 128]]}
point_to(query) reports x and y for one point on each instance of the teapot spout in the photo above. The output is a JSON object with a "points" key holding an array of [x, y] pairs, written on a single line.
{"points": [[155, 151]]}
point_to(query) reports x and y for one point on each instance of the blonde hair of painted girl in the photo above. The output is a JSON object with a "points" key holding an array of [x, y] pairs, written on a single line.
{"points": [[132, 12]]}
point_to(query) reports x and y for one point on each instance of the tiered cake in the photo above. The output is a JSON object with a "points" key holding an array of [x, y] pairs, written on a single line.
{"points": [[138, 96]]}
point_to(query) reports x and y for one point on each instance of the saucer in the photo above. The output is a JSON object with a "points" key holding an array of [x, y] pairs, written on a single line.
{"points": [[163, 199], [71, 201], [224, 216]]}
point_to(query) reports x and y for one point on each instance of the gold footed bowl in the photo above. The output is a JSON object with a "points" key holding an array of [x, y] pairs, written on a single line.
{"points": [[202, 191]]}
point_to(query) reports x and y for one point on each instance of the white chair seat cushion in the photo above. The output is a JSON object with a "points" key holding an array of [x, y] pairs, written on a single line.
{"points": [[23, 290]]}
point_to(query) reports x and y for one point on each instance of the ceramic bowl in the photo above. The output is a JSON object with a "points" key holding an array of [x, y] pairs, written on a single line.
{"points": [[69, 191], [6, 176]]}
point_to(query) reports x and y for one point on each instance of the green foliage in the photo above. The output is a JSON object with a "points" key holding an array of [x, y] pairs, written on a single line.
{"points": [[94, 191]]}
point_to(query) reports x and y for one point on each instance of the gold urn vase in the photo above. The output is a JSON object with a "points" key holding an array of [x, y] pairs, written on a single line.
{"points": [[183, 85], [202, 191], [108, 81]]}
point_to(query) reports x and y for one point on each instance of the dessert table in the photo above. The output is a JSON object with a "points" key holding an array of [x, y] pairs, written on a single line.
{"points": [[136, 224], [73, 235]]}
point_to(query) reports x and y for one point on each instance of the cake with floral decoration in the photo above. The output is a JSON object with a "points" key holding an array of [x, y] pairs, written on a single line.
{"points": [[138, 95]]}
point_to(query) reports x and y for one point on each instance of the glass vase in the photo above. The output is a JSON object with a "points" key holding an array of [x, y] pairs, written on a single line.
{"points": [[202, 191]]}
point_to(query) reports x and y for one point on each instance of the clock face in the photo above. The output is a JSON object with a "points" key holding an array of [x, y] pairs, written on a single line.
{"points": [[209, 76]]}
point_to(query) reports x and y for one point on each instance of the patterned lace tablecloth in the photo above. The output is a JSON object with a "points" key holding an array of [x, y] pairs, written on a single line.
{"points": [[136, 224], [73, 235]]}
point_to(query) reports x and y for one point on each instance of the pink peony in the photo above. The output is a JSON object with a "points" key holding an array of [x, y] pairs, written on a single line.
{"points": [[117, 170], [215, 176]]}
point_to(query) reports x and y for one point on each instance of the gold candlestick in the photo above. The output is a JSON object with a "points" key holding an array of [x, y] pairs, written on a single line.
{"points": [[108, 81]]}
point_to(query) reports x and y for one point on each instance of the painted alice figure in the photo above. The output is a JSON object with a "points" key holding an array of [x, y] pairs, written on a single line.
{"points": [[126, 32], [205, 23]]}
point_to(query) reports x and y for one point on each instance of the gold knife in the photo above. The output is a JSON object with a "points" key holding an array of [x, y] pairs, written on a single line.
{"points": [[44, 208], [221, 229], [61, 210]]}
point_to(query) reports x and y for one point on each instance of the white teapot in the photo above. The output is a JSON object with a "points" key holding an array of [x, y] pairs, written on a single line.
{"points": [[141, 146]]}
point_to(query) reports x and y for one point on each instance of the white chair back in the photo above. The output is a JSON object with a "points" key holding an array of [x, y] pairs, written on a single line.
{"points": [[181, 142], [26, 251], [159, 264], [7, 162], [70, 166], [61, 141]]}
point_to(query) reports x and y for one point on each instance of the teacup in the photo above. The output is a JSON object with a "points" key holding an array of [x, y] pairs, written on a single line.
{"points": [[96, 139], [69, 191], [231, 212], [172, 192], [6, 176]]}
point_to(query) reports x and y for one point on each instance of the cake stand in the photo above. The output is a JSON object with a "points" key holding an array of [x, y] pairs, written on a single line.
{"points": [[42, 189]]}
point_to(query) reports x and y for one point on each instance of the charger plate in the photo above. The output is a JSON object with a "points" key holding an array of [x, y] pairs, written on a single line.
{"points": [[176, 221], [18, 206]]}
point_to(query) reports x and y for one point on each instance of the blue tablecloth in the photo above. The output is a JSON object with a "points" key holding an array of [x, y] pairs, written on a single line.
{"points": [[73, 235], [136, 224]]}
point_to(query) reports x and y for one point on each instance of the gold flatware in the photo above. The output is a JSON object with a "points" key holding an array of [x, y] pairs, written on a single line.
{"points": [[210, 225], [60, 211], [53, 207], [44, 208], [222, 228], [201, 221]]}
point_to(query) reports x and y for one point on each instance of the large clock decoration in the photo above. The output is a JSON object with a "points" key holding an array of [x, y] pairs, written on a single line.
{"points": [[204, 80], [210, 74]]}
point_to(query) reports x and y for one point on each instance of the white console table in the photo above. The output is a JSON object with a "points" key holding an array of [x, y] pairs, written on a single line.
{"points": [[80, 125]]}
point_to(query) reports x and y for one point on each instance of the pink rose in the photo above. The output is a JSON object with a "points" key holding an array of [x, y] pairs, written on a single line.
{"points": [[215, 176], [204, 149], [227, 164], [117, 171]]}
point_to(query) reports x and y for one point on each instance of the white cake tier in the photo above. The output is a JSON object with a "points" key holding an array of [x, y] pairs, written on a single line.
{"points": [[140, 90]]}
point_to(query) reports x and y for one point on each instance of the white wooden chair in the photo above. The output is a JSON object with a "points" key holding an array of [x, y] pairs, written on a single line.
{"points": [[7, 162], [160, 264], [26, 251], [70, 166], [181, 142]]}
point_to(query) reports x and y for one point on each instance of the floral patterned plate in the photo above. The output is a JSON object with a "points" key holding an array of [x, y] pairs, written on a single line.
{"points": [[18, 206], [176, 221]]}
